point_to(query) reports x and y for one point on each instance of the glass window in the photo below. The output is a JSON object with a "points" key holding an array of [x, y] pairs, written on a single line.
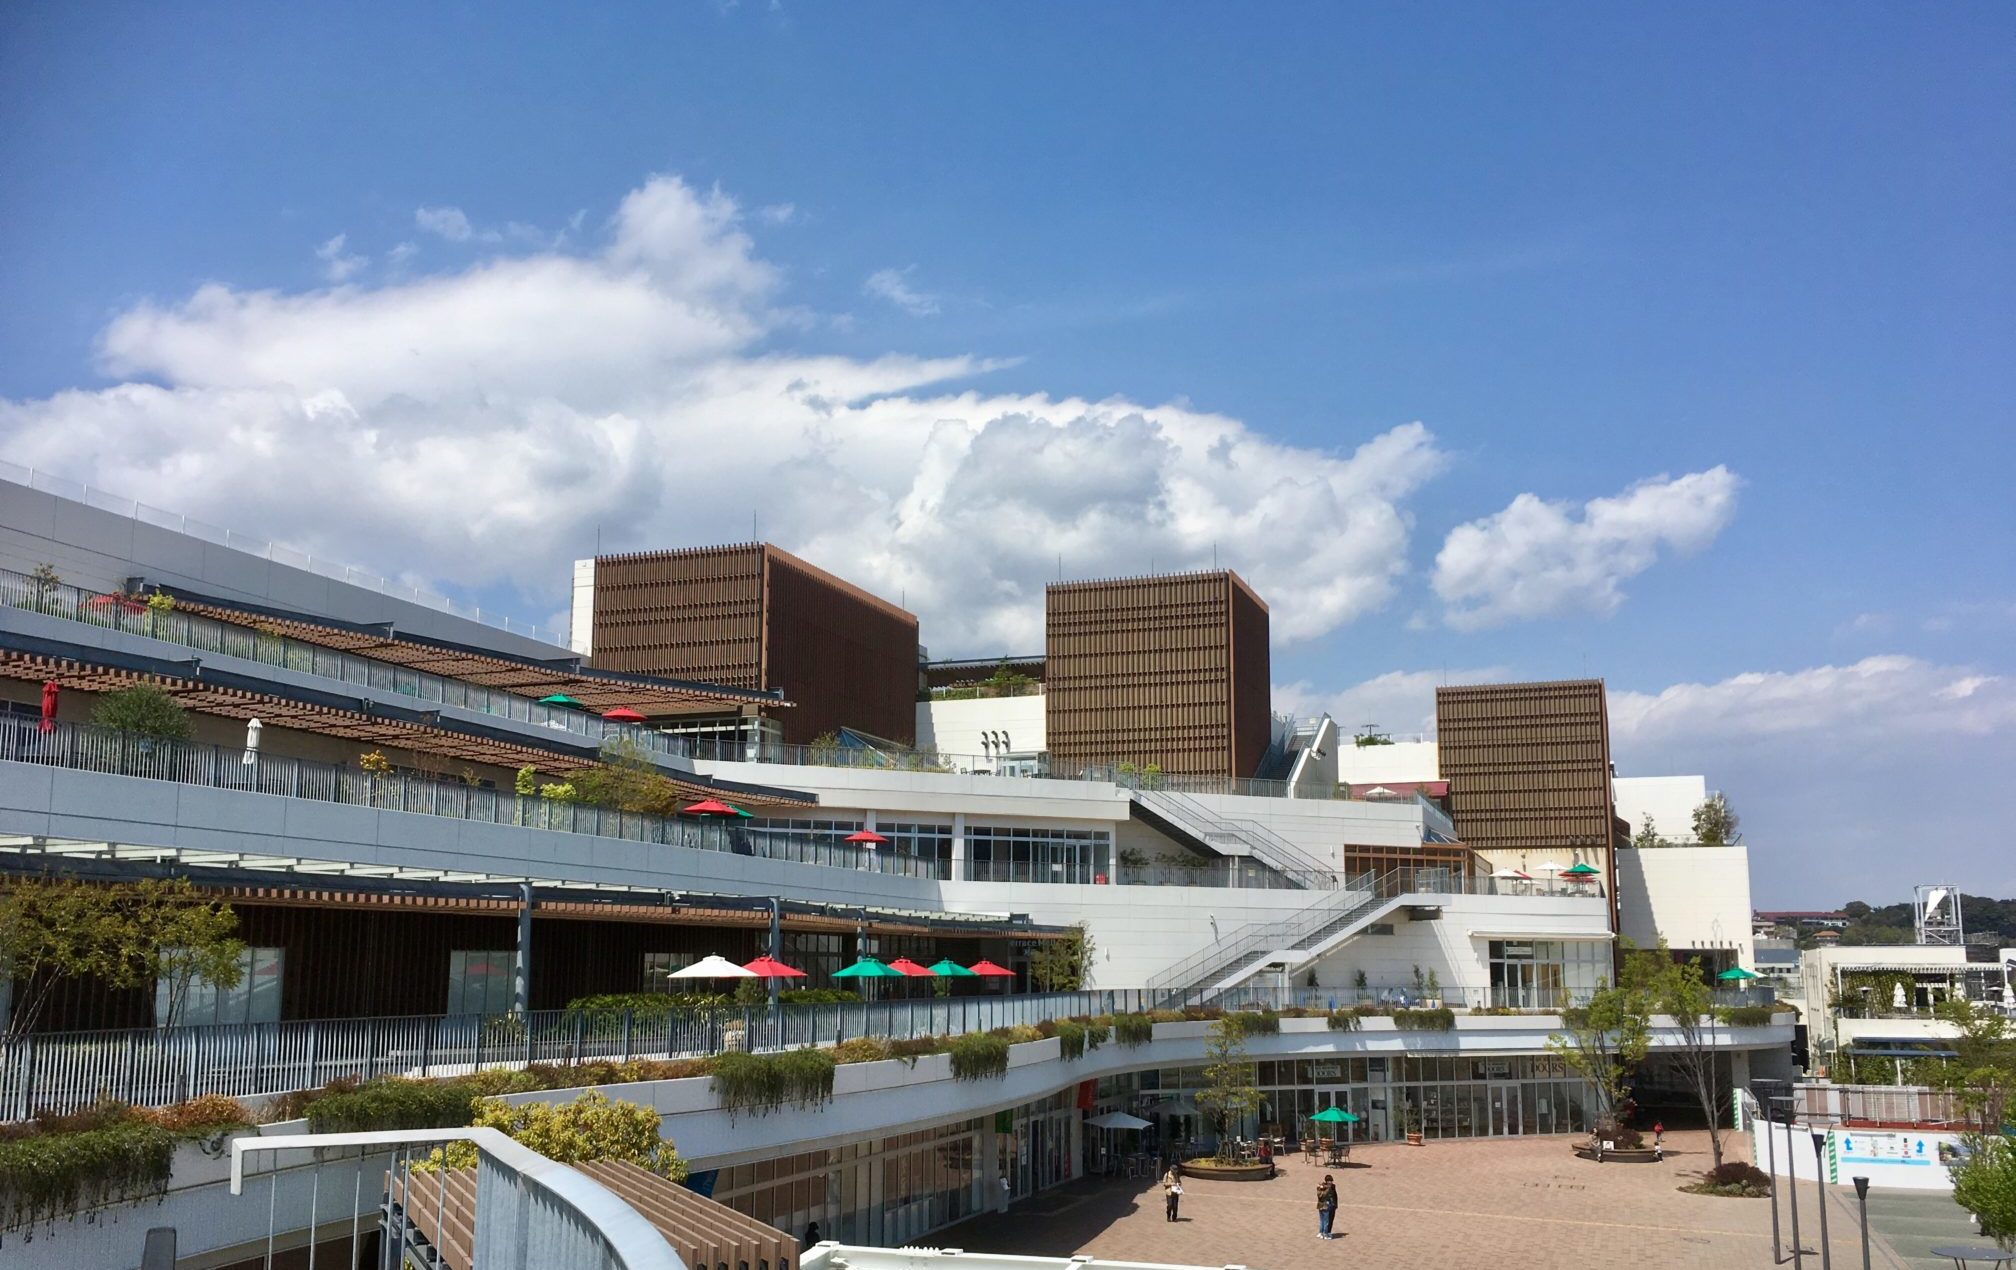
{"points": [[480, 982], [255, 999]]}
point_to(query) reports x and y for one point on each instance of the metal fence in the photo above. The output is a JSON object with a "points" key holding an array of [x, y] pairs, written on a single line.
{"points": [[158, 1066], [1875, 1104], [210, 635], [94, 749]]}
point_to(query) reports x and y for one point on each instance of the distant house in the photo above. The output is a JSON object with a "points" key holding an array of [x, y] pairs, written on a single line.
{"points": [[1834, 920]]}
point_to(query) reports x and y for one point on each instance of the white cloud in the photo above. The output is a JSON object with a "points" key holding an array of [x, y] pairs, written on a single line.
{"points": [[1401, 702], [1873, 699], [336, 265], [777, 213], [478, 428], [1548, 559], [894, 286], [450, 223]]}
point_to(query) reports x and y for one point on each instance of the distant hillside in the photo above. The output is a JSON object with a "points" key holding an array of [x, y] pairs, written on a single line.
{"points": [[1892, 923]]}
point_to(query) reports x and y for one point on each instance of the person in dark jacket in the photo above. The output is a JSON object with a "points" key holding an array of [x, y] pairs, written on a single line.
{"points": [[1326, 1207], [1172, 1192]]}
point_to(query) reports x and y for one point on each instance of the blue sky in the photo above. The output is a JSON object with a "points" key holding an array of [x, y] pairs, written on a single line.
{"points": [[1584, 248]]}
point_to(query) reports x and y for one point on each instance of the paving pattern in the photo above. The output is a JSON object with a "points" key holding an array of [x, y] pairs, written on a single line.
{"points": [[1506, 1204]]}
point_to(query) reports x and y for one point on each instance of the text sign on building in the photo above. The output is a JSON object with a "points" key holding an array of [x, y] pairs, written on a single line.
{"points": [[1325, 1071]]}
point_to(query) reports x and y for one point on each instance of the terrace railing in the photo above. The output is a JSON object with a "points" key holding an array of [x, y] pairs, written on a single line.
{"points": [[210, 635], [88, 748], [158, 1066]]}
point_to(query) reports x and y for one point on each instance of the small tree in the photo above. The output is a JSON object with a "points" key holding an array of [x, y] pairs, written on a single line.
{"points": [[124, 935], [1605, 1041], [1982, 1079], [1715, 822], [143, 710], [1648, 837], [1228, 1093], [1064, 965], [1681, 990], [44, 581]]}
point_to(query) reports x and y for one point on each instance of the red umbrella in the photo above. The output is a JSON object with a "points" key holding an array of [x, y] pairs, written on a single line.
{"points": [[623, 714], [48, 723], [124, 602], [768, 967], [909, 967], [990, 970], [867, 836], [710, 807]]}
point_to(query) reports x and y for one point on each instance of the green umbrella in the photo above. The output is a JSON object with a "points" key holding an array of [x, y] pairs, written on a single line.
{"points": [[561, 699], [1579, 871], [868, 968], [1335, 1115], [1736, 972], [949, 967], [746, 815]]}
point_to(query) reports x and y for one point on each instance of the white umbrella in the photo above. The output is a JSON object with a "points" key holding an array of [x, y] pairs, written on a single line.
{"points": [[252, 727], [712, 968], [1512, 873], [1551, 866], [1118, 1120], [1897, 996]]}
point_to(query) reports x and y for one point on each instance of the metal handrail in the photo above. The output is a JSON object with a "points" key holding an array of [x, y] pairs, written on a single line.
{"points": [[581, 1218], [111, 611], [1267, 936], [1266, 845], [90, 748]]}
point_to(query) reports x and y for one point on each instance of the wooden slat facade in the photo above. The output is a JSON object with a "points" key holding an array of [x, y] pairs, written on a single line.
{"points": [[1528, 767], [755, 616], [1171, 670]]}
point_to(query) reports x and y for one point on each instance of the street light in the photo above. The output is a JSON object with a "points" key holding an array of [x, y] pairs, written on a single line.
{"points": [[1820, 1183], [1862, 1202]]}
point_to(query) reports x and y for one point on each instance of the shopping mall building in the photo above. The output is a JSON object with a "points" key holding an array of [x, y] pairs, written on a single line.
{"points": [[370, 781]]}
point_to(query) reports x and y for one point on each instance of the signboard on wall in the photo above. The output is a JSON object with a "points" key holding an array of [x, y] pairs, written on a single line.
{"points": [[1326, 1071], [1863, 1147]]}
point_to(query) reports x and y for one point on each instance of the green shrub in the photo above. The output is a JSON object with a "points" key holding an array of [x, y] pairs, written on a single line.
{"points": [[652, 1004], [1372, 1011], [1070, 1040], [1343, 1020], [52, 1175], [1097, 1032], [764, 1082], [819, 996], [592, 1127], [1438, 1019], [980, 1054], [1167, 1016], [916, 1047], [1133, 1029], [391, 1102], [205, 1113], [1256, 1022], [862, 1049], [1746, 1015], [144, 710], [1017, 1033]]}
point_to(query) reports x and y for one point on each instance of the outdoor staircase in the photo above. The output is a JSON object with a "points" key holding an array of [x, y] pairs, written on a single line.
{"points": [[1292, 941], [1184, 818]]}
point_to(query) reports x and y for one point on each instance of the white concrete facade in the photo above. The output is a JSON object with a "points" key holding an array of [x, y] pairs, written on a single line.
{"points": [[1669, 800], [1376, 764], [979, 727], [1694, 897]]}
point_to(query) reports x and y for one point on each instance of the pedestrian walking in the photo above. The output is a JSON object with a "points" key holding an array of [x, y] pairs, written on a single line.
{"points": [[1658, 1133], [1326, 1207], [1172, 1193]]}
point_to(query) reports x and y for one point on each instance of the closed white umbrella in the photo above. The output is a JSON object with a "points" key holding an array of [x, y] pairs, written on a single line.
{"points": [[712, 968], [252, 728]]}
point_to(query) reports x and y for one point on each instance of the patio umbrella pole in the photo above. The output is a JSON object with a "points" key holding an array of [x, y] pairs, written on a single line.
{"points": [[776, 948]]}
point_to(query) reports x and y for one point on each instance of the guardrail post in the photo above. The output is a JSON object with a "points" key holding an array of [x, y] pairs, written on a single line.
{"points": [[27, 1078], [371, 1049], [427, 1047], [626, 1037], [580, 1033], [314, 1055], [126, 1067]]}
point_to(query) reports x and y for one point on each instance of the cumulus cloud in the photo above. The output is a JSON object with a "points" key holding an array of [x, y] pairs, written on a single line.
{"points": [[1548, 559], [338, 265], [1875, 698], [777, 213], [894, 286], [477, 428], [451, 223]]}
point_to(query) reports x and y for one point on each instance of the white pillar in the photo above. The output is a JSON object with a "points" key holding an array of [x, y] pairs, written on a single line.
{"points": [[958, 845]]}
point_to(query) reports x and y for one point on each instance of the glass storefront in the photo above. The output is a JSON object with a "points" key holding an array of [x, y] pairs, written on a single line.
{"points": [[1542, 974], [1466, 1097], [891, 1191], [1037, 855]]}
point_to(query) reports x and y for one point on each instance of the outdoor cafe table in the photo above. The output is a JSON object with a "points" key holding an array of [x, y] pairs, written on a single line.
{"points": [[1963, 1256]]}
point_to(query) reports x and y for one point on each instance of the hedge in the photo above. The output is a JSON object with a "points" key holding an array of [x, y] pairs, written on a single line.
{"points": [[762, 1083], [392, 1102], [1133, 1029], [979, 1054], [1437, 1019]]}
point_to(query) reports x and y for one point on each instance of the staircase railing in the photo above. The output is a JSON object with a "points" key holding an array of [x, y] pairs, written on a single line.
{"points": [[1264, 844], [1360, 896]]}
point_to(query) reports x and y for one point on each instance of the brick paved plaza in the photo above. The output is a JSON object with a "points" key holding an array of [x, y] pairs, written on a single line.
{"points": [[1508, 1204]]}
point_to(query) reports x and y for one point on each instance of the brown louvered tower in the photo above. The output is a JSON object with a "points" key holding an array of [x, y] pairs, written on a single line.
{"points": [[1170, 670], [1528, 766], [755, 616]]}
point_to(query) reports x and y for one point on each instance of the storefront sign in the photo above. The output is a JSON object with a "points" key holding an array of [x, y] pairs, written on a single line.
{"points": [[1326, 1071]]}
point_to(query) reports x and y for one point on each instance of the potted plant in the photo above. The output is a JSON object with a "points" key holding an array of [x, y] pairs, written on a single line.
{"points": [[1433, 992], [1410, 1122]]}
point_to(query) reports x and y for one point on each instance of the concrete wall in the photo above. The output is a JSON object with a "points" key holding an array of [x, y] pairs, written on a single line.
{"points": [[1324, 826], [1697, 897], [99, 549], [1375, 764], [955, 727], [902, 795], [1669, 800], [1456, 945]]}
